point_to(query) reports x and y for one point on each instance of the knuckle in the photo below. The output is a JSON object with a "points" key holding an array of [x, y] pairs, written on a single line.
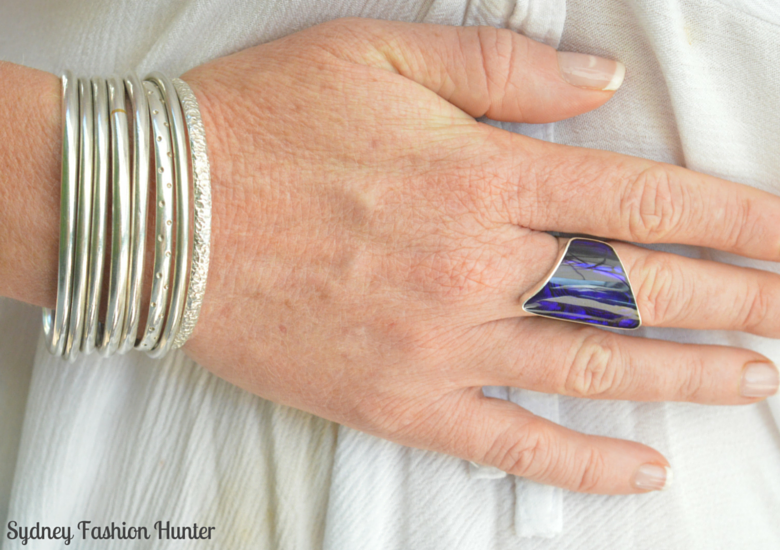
{"points": [[738, 224], [594, 365], [512, 181], [661, 294], [526, 455], [499, 51], [592, 472], [758, 306], [694, 382], [655, 202]]}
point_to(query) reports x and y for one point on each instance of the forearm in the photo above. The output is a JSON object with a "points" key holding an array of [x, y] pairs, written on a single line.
{"points": [[30, 133]]}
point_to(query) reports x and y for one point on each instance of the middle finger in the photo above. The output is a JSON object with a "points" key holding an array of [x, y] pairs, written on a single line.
{"points": [[552, 187]]}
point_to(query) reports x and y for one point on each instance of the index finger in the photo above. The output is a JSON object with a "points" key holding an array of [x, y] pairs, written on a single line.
{"points": [[552, 187]]}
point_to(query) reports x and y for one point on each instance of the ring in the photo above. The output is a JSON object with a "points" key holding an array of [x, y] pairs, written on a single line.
{"points": [[588, 284]]}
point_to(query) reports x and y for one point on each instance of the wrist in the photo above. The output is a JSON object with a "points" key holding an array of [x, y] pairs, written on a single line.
{"points": [[30, 159]]}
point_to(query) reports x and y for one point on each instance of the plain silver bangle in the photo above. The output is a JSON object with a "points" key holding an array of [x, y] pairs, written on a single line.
{"points": [[97, 169], [140, 195], [120, 218], [182, 235], [201, 234], [97, 246], [83, 221], [55, 323]]}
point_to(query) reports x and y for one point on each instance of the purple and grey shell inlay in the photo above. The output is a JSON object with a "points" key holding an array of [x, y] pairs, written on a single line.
{"points": [[588, 286]]}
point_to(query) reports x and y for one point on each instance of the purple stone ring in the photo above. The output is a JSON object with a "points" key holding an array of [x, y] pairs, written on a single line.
{"points": [[587, 285]]}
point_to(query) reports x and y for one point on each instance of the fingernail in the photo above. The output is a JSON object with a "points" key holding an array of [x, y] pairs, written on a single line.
{"points": [[588, 71], [651, 477], [759, 379]]}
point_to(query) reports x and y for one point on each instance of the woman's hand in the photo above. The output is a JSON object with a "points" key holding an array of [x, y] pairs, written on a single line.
{"points": [[371, 242]]}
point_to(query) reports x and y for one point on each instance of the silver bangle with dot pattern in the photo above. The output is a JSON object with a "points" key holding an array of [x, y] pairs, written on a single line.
{"points": [[181, 178], [163, 229], [122, 136]]}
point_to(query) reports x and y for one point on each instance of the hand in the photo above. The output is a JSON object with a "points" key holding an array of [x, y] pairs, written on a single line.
{"points": [[371, 241]]}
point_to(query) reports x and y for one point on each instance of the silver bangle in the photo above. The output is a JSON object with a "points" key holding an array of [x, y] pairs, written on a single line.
{"points": [[182, 235], [99, 202], [83, 220], [55, 322], [120, 218], [97, 168], [164, 205], [140, 195], [201, 237]]}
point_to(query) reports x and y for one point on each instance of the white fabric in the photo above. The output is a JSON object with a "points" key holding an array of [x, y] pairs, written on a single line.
{"points": [[135, 440], [19, 327]]}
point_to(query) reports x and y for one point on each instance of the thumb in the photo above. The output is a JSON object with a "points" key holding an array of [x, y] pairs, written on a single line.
{"points": [[486, 71]]}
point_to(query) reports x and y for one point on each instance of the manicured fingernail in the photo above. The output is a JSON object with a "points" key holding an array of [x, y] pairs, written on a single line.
{"points": [[759, 380], [588, 71], [652, 477]]}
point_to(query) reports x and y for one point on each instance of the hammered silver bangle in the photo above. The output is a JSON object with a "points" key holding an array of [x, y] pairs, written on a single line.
{"points": [[201, 185], [108, 157]]}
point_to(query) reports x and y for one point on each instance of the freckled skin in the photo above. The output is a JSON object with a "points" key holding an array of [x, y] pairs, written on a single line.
{"points": [[350, 257], [369, 234]]}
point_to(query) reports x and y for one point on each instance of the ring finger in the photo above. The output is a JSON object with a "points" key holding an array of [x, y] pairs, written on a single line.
{"points": [[675, 291]]}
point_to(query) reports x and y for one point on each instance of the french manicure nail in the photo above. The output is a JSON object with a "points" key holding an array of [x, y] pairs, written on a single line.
{"points": [[652, 477], [759, 379], [588, 71]]}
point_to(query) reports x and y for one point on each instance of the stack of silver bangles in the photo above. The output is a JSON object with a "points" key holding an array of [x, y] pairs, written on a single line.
{"points": [[109, 160]]}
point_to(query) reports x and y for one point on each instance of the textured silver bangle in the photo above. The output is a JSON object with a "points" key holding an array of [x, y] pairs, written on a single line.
{"points": [[55, 323], [201, 234], [97, 245], [83, 221], [139, 196], [98, 173], [164, 208], [120, 218], [182, 234]]}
